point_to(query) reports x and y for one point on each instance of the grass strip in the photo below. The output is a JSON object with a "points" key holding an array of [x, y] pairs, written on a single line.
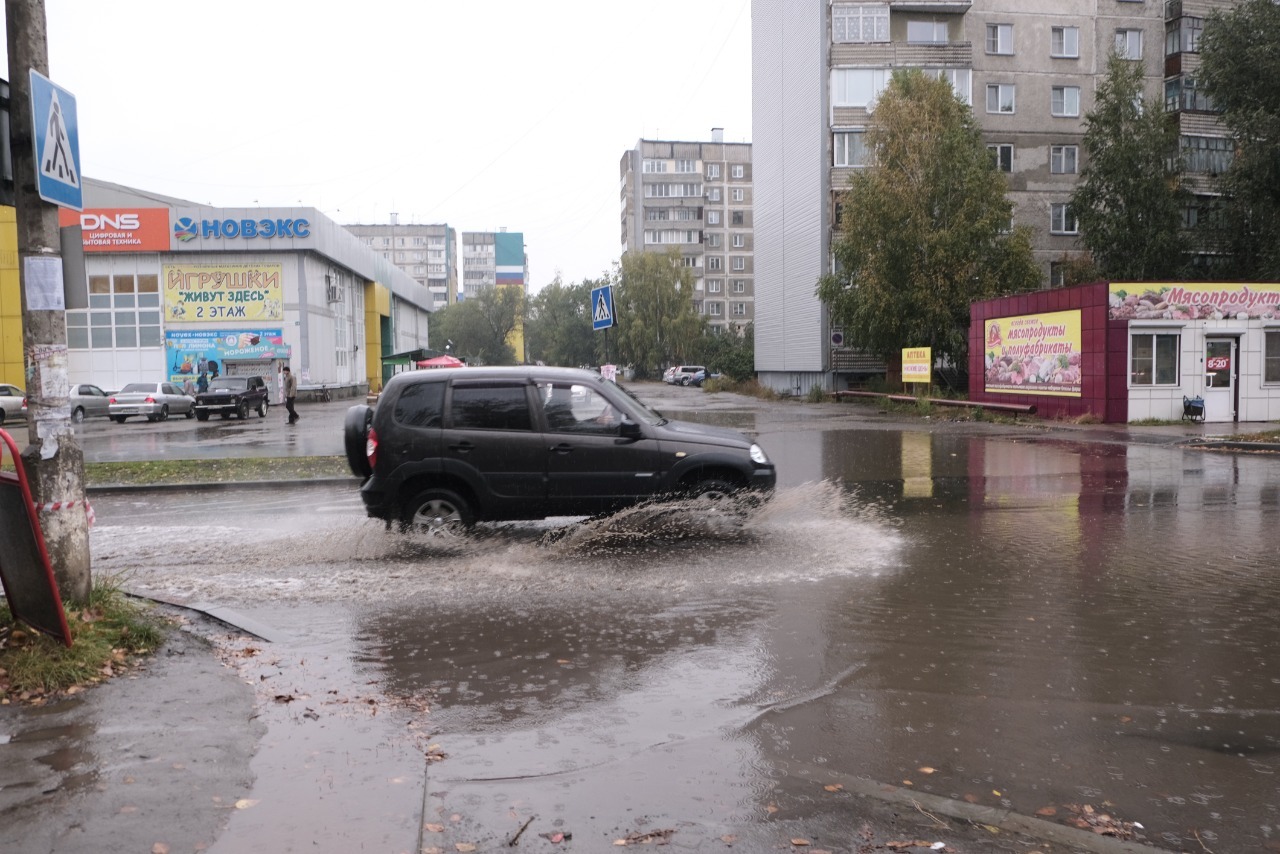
{"points": [[228, 470]]}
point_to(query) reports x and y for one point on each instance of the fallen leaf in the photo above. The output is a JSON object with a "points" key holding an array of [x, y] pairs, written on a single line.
{"points": [[1125, 719], [926, 770], [907, 783], [128, 810], [1047, 811], [800, 843], [160, 848], [246, 803], [455, 818], [834, 787], [556, 837], [971, 798], [771, 809], [728, 839], [995, 792], [464, 847], [434, 828]]}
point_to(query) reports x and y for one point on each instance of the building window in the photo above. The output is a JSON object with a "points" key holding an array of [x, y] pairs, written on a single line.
{"points": [[959, 78], [1180, 93], [739, 309], [1064, 42], [690, 260], [738, 194], [713, 194], [715, 263], [1000, 38], [1057, 274], [859, 22], [713, 170], [124, 312], [739, 286], [858, 87], [739, 241], [737, 218], [1061, 219], [1271, 357], [1129, 44], [654, 166], [686, 166], [715, 309], [1182, 35], [999, 97], [1062, 159], [1206, 155], [1001, 156], [849, 148], [739, 263], [713, 217], [737, 171], [1065, 101], [926, 32], [1153, 358], [713, 286], [713, 240]]}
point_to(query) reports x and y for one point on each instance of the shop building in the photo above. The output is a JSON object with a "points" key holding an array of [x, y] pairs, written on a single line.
{"points": [[171, 287], [1125, 351]]}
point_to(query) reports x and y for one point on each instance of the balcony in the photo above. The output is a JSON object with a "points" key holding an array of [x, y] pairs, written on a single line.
{"points": [[904, 54]]}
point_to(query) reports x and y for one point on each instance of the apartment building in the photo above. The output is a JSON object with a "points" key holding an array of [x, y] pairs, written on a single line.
{"points": [[492, 258], [428, 253], [696, 197], [1028, 68]]}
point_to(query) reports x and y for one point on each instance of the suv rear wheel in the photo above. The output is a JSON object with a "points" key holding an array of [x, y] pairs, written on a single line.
{"points": [[437, 513]]}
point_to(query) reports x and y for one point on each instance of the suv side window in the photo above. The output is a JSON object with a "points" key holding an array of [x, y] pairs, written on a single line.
{"points": [[573, 408], [490, 407], [420, 405]]}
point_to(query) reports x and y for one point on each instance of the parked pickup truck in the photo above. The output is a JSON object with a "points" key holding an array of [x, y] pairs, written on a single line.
{"points": [[228, 395]]}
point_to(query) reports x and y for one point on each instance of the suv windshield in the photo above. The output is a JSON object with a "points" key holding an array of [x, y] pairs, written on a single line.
{"points": [[229, 384], [637, 409]]}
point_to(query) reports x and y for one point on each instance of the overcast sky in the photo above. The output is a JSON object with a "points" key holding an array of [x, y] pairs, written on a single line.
{"points": [[483, 115]]}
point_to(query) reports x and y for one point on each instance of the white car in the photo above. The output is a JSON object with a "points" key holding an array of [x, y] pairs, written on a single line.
{"points": [[157, 401], [89, 401], [13, 402], [682, 374]]}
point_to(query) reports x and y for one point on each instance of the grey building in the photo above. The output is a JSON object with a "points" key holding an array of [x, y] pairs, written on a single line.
{"points": [[696, 197], [427, 253], [1028, 68]]}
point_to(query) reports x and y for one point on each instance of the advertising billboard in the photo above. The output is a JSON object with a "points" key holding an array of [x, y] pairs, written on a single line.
{"points": [[1034, 354], [1193, 300], [190, 353], [917, 364], [120, 229], [199, 293]]}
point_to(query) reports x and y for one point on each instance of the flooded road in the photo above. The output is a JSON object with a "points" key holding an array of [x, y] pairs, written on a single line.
{"points": [[1017, 621]]}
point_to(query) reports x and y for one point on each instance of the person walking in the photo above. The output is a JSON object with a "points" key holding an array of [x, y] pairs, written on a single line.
{"points": [[202, 384], [290, 392]]}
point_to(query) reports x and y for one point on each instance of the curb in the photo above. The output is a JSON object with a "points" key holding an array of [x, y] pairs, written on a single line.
{"points": [[108, 488]]}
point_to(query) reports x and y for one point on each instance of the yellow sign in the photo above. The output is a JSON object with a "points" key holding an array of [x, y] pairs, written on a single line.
{"points": [[1193, 300], [917, 364], [1034, 354], [200, 293]]}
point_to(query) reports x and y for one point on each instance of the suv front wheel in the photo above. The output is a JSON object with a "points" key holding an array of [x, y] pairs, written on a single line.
{"points": [[437, 513]]}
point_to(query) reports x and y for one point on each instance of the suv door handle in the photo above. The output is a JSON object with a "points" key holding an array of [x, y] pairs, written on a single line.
{"points": [[562, 448], [462, 447]]}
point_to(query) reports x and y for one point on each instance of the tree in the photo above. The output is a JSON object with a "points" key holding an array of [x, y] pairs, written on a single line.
{"points": [[481, 325], [1129, 201], [1239, 67], [731, 354], [925, 229], [558, 326], [653, 310]]}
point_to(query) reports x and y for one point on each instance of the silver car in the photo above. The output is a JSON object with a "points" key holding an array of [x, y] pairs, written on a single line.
{"points": [[157, 401], [89, 401], [13, 402]]}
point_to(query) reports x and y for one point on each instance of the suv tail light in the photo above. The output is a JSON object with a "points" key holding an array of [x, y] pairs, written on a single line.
{"points": [[371, 447]]}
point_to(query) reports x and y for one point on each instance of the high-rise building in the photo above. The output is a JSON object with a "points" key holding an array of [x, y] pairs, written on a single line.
{"points": [[1028, 68], [696, 197], [496, 259], [428, 253]]}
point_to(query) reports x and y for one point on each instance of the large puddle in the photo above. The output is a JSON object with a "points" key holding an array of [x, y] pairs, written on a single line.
{"points": [[1035, 625]]}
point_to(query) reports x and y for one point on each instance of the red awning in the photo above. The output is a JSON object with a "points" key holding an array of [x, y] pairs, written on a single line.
{"points": [[441, 362]]}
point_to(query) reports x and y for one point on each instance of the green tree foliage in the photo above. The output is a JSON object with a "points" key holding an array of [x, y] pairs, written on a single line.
{"points": [[480, 326], [925, 229], [656, 322], [730, 353], [1239, 70], [558, 325], [1129, 201]]}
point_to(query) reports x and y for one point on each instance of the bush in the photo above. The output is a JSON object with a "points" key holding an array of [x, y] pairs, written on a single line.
{"points": [[816, 394]]}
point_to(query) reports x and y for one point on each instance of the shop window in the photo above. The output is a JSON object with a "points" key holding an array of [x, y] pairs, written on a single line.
{"points": [[1271, 357], [1153, 358]]}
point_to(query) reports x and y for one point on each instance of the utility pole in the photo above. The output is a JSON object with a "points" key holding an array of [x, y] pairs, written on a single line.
{"points": [[52, 457]]}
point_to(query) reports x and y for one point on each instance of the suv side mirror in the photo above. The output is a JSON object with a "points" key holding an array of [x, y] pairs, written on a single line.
{"points": [[629, 429]]}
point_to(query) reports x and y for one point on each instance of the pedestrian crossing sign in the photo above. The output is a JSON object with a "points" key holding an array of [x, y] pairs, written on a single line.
{"points": [[57, 143], [602, 307]]}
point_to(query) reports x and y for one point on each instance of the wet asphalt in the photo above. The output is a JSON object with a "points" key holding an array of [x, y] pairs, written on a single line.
{"points": [[161, 759]]}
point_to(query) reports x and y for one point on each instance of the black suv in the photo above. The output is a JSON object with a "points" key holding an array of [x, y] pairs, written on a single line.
{"points": [[444, 448], [233, 395]]}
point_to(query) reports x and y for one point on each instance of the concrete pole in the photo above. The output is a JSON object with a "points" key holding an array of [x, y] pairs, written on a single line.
{"points": [[52, 458]]}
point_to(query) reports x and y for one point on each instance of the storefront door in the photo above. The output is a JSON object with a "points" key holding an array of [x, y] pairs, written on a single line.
{"points": [[1219, 379]]}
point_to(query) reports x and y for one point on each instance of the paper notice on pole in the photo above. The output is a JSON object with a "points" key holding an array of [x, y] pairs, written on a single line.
{"points": [[42, 278]]}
